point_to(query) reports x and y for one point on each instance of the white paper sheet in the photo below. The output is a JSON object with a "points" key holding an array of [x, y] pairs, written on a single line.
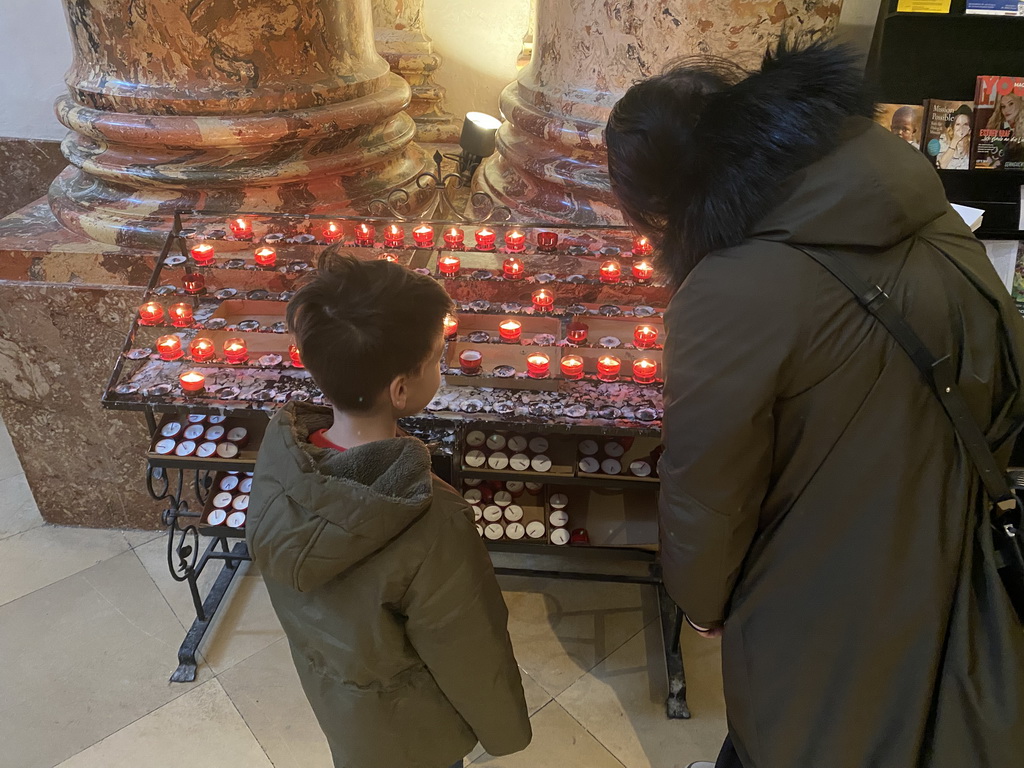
{"points": [[972, 216], [1003, 255]]}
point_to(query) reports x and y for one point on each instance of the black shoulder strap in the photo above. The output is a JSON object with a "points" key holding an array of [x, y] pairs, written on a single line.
{"points": [[938, 372]]}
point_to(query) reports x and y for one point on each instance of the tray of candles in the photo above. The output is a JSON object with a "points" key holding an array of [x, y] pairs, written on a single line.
{"points": [[206, 441], [227, 506]]}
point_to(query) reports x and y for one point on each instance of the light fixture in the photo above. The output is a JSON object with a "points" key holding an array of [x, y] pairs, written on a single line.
{"points": [[477, 141]]}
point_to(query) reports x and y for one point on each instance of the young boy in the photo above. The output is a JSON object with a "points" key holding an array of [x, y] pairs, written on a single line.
{"points": [[396, 624]]}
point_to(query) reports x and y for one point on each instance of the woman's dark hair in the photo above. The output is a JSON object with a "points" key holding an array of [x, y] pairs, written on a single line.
{"points": [[359, 324]]}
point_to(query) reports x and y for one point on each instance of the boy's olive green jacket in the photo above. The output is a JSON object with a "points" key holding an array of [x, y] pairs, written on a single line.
{"points": [[396, 623]]}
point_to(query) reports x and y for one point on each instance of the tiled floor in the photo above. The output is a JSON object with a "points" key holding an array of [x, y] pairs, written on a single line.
{"points": [[90, 622]]}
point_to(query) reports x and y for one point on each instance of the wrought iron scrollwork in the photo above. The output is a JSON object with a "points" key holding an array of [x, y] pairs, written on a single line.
{"points": [[182, 540]]}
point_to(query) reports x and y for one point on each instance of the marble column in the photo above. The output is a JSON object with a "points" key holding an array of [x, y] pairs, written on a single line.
{"points": [[258, 105], [551, 162], [402, 42]]}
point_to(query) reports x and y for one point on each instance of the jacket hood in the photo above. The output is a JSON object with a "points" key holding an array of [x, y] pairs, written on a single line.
{"points": [[318, 512]]}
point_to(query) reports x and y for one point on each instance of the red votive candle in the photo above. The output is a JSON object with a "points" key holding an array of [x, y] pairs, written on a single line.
{"points": [[241, 229], [572, 367], [265, 256], [181, 315], [394, 236], [451, 326], [608, 368], [202, 254], [169, 347], [547, 241], [543, 300], [423, 236], [515, 241], [642, 246], [296, 358], [645, 337], [150, 313], [194, 283], [484, 239], [332, 232], [576, 332], [513, 268], [388, 257], [510, 330], [449, 265], [610, 272], [365, 234], [455, 239], [644, 371], [192, 381], [235, 351], [642, 271], [538, 366], [201, 350], [469, 362]]}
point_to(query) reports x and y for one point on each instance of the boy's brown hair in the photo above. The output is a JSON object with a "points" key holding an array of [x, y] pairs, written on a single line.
{"points": [[359, 324]]}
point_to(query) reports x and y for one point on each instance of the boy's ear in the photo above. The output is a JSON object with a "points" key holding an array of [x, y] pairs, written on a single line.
{"points": [[399, 392]]}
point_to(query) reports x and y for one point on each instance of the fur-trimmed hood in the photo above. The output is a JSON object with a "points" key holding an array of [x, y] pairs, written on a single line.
{"points": [[337, 508]]}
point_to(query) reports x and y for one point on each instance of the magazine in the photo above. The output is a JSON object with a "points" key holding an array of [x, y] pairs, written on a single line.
{"points": [[946, 139], [999, 123], [905, 120]]}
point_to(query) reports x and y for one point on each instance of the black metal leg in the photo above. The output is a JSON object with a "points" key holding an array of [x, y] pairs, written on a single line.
{"points": [[671, 626]]}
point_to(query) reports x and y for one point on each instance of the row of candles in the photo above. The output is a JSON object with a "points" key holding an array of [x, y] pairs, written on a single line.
{"points": [[511, 331], [538, 366], [423, 237], [202, 350]]}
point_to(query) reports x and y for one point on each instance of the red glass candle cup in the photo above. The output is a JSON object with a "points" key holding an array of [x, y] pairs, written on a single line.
{"points": [[169, 347], [451, 326], [332, 232], [642, 271], [579, 537], [608, 368], [235, 351], [394, 236], [572, 367], [645, 337], [513, 268], [388, 257], [296, 358], [642, 246], [150, 313], [645, 371], [202, 254], [455, 239], [365, 234], [241, 229], [543, 300], [515, 241], [181, 315], [423, 236], [484, 239], [449, 265], [265, 256], [547, 241], [470, 361], [510, 330], [610, 272], [538, 366], [577, 332], [194, 283], [192, 381], [201, 350]]}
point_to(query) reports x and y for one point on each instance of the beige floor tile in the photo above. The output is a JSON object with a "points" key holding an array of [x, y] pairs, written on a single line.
{"points": [[622, 703], [201, 728], [18, 510], [558, 742], [562, 629], [44, 555], [9, 462], [138, 538], [82, 658], [536, 699], [266, 690]]}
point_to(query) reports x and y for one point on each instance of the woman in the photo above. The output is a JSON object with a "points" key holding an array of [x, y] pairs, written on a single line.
{"points": [[816, 509], [956, 153], [1009, 116]]}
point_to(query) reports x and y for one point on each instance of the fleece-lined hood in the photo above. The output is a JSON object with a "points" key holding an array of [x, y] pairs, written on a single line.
{"points": [[320, 511]]}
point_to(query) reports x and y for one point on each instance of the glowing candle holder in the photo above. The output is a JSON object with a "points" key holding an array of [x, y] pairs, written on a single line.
{"points": [[192, 382], [455, 239], [423, 236], [510, 330], [194, 283], [515, 241], [241, 229], [643, 271], [201, 350], [645, 337], [388, 257], [202, 254], [449, 265], [513, 268], [451, 326], [365, 234], [611, 272], [265, 256], [484, 239], [547, 241], [169, 347], [332, 232], [577, 332], [296, 358], [235, 351], [543, 300], [470, 362], [151, 313], [645, 371], [394, 236], [642, 246], [608, 368], [181, 315], [572, 367], [538, 366]]}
